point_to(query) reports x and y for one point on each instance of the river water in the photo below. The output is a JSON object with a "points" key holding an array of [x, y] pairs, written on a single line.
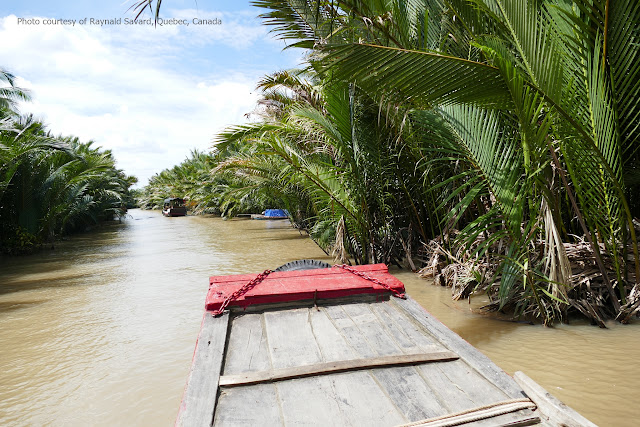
{"points": [[101, 330]]}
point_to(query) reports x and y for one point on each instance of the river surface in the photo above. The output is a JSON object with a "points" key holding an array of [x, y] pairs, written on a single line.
{"points": [[100, 331]]}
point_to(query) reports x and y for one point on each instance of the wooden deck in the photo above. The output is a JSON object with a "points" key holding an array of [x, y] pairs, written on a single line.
{"points": [[356, 363]]}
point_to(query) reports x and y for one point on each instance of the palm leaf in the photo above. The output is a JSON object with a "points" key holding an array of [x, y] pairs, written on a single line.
{"points": [[417, 78]]}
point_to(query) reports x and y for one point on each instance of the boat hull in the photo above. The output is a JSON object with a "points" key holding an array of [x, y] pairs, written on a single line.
{"points": [[174, 212], [264, 217], [332, 347]]}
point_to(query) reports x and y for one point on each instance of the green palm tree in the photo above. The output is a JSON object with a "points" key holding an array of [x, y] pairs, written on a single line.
{"points": [[514, 122], [335, 157], [543, 74], [10, 94], [50, 186]]}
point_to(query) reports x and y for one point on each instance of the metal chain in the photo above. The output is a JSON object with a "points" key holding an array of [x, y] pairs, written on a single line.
{"points": [[260, 277], [243, 290], [395, 292]]}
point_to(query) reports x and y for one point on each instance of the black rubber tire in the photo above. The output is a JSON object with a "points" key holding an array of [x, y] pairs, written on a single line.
{"points": [[303, 264]]}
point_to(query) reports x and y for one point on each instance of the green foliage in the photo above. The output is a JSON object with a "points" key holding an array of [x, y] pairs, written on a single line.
{"points": [[334, 160], [522, 113], [51, 186], [190, 180], [512, 125], [18, 241]]}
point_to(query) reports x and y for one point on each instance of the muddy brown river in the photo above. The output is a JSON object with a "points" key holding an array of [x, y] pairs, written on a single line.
{"points": [[101, 330]]}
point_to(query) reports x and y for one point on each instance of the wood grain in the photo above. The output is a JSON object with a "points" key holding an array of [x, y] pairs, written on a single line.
{"points": [[199, 400], [334, 367], [466, 351]]}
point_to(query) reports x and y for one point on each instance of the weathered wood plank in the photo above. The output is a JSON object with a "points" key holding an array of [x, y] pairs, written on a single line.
{"points": [[290, 338], [199, 400], [310, 342], [397, 383], [247, 347], [466, 351], [332, 345], [523, 417], [557, 412], [409, 392], [479, 390], [310, 303], [372, 329], [351, 333], [449, 395], [473, 415], [248, 406], [457, 385], [399, 323], [340, 399], [334, 367], [406, 344], [347, 399]]}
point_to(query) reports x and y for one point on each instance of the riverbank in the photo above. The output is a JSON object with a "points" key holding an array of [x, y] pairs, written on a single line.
{"points": [[111, 317]]}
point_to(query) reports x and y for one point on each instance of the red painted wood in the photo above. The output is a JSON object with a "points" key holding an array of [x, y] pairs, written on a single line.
{"points": [[286, 286]]}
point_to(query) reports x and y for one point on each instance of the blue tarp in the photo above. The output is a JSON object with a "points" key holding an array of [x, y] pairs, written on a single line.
{"points": [[276, 213]]}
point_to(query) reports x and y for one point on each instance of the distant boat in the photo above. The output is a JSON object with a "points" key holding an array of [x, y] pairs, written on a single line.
{"points": [[320, 345], [272, 214], [174, 207]]}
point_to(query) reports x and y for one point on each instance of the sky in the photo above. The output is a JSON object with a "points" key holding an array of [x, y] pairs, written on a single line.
{"points": [[151, 94]]}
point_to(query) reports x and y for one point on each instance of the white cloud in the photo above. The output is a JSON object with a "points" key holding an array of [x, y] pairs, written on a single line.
{"points": [[236, 29], [126, 88]]}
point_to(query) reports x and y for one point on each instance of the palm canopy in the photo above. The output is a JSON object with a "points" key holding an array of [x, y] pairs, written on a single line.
{"points": [[10, 94], [553, 79], [507, 129], [330, 159], [51, 185]]}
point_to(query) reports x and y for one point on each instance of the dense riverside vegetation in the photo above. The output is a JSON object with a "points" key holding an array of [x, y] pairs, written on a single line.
{"points": [[51, 186], [494, 142]]}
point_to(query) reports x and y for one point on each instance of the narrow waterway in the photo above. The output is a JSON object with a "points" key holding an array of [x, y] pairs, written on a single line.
{"points": [[101, 330]]}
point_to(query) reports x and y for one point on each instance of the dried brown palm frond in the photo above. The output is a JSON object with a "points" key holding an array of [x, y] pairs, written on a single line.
{"points": [[339, 251], [575, 263], [631, 307], [556, 267]]}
